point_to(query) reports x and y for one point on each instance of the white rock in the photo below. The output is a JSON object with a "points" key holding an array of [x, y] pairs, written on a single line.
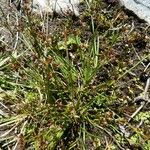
{"points": [[140, 7], [59, 6]]}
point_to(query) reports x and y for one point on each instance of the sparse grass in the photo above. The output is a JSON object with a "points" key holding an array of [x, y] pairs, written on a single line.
{"points": [[71, 88]]}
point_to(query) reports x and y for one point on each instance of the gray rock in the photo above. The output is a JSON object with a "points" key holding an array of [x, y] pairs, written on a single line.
{"points": [[140, 7], [59, 6]]}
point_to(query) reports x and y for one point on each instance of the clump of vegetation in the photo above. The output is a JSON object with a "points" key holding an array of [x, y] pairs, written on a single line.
{"points": [[74, 83]]}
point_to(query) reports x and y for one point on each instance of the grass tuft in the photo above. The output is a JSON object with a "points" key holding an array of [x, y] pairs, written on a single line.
{"points": [[74, 84]]}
